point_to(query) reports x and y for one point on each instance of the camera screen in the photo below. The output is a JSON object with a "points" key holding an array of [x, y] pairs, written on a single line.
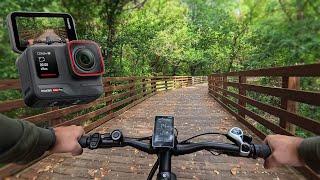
{"points": [[27, 28], [38, 29]]}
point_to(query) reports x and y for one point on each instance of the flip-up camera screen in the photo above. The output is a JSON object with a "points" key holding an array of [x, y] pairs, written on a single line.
{"points": [[38, 29], [31, 28]]}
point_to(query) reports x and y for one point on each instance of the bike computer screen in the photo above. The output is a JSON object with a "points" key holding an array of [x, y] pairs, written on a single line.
{"points": [[163, 134]]}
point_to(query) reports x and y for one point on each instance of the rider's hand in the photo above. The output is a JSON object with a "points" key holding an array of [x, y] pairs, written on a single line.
{"points": [[67, 140], [284, 151]]}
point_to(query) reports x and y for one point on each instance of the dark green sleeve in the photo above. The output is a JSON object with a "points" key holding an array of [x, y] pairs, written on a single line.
{"points": [[21, 141], [309, 151]]}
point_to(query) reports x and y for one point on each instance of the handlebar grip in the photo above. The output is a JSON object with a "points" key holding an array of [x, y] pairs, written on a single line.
{"points": [[83, 141], [263, 151]]}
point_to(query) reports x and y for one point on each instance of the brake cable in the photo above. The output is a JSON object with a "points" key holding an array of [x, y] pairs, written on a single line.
{"points": [[142, 138], [154, 169], [203, 134]]}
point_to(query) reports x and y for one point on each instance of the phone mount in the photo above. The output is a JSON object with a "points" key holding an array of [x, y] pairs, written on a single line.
{"points": [[236, 135]]}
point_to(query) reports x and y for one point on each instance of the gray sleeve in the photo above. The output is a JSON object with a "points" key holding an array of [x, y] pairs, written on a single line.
{"points": [[309, 151], [22, 141]]}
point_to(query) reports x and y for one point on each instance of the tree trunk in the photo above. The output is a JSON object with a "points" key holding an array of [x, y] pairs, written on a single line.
{"points": [[110, 41], [175, 69], [192, 70]]}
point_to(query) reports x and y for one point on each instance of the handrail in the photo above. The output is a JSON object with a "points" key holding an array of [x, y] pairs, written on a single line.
{"points": [[121, 93], [237, 100], [309, 70]]}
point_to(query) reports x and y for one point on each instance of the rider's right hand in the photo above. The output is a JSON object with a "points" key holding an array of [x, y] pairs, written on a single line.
{"points": [[284, 151]]}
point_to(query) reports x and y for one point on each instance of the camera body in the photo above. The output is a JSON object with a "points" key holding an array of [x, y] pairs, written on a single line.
{"points": [[60, 74]]}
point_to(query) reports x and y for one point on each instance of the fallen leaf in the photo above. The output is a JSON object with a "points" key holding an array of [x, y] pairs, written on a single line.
{"points": [[91, 172], [234, 171], [47, 168], [136, 151], [195, 177]]}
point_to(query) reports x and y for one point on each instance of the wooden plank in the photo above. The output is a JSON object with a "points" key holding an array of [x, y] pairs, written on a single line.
{"points": [[291, 106], [260, 134], [309, 70], [13, 168], [303, 122], [254, 116], [310, 174], [9, 84], [11, 104], [119, 87], [110, 116], [61, 112], [284, 101], [125, 86], [107, 109], [19, 103], [242, 91], [121, 78], [136, 78], [308, 97]]}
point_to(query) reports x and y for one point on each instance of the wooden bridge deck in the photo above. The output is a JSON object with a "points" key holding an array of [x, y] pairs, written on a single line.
{"points": [[195, 112]]}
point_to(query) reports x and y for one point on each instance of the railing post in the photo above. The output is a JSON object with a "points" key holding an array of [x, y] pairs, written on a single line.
{"points": [[242, 91], [108, 92], [290, 106], [55, 121], [225, 87], [132, 88], [174, 82], [189, 83], [213, 83], [154, 84], [144, 85], [166, 83]]}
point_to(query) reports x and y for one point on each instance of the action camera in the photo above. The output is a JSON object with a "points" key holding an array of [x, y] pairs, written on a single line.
{"points": [[55, 69]]}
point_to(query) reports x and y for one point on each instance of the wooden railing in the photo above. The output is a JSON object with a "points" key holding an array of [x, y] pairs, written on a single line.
{"points": [[232, 90], [121, 93]]}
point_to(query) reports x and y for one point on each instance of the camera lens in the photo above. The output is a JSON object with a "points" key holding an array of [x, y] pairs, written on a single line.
{"points": [[84, 59]]}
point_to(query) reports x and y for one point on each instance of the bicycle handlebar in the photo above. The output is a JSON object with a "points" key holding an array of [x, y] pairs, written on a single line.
{"points": [[103, 141]]}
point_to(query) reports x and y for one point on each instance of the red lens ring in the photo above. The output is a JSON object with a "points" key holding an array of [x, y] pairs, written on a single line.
{"points": [[73, 65]]}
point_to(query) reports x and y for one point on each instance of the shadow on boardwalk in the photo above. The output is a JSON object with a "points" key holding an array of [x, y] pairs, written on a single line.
{"points": [[195, 112]]}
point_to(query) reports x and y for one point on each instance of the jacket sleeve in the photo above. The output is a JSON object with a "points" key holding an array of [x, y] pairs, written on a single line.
{"points": [[309, 151], [21, 141]]}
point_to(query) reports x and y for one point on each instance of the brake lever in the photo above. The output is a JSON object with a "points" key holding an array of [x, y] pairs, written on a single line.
{"points": [[247, 139], [236, 135]]}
